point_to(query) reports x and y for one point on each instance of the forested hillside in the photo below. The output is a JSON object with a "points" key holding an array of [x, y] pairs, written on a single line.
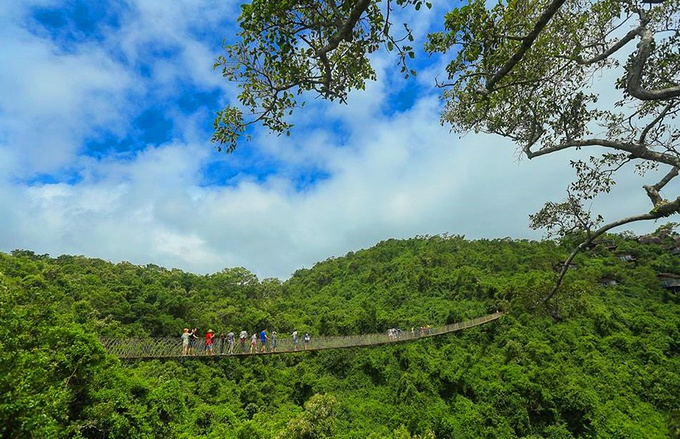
{"points": [[609, 367]]}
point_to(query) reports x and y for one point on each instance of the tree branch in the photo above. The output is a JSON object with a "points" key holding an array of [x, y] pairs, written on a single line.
{"points": [[634, 85], [343, 33], [636, 150], [656, 120], [653, 191], [659, 212], [604, 55], [527, 42]]}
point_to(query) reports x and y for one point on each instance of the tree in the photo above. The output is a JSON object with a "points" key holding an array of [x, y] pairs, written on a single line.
{"points": [[48, 364], [526, 70], [317, 421]]}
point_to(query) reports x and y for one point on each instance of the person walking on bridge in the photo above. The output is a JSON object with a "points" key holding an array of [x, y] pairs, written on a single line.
{"points": [[209, 342], [242, 338], [193, 341], [231, 339], [222, 339], [295, 340], [263, 340], [185, 342], [253, 343], [274, 341]]}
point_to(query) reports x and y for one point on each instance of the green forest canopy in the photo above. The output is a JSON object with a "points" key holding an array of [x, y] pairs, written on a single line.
{"points": [[610, 368]]}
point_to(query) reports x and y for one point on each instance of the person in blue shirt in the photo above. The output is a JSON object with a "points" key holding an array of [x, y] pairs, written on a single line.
{"points": [[263, 340]]}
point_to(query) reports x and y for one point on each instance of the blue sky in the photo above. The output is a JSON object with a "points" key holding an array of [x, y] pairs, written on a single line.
{"points": [[105, 120]]}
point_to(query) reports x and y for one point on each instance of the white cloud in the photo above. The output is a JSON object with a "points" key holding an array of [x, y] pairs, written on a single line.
{"points": [[388, 176], [51, 100]]}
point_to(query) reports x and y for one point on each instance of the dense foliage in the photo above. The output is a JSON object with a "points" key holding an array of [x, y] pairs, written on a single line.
{"points": [[610, 368]]}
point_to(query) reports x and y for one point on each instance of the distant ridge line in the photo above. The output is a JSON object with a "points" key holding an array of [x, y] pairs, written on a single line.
{"points": [[171, 347]]}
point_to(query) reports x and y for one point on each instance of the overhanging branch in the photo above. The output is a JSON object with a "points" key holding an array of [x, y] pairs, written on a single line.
{"points": [[653, 191], [634, 84], [527, 42], [658, 212], [612, 50], [636, 150]]}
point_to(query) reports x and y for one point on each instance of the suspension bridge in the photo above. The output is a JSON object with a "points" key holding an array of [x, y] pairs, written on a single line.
{"points": [[171, 347]]}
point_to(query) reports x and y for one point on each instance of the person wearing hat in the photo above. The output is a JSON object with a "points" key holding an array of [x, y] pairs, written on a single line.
{"points": [[209, 341]]}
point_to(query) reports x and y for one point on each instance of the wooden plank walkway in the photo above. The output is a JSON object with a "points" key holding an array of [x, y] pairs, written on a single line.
{"points": [[171, 347]]}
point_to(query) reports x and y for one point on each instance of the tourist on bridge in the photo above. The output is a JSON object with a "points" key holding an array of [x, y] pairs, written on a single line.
{"points": [[263, 340], [231, 338], [307, 339], [295, 340], [222, 339], [253, 343], [193, 341], [185, 342], [209, 342], [242, 338], [274, 341]]}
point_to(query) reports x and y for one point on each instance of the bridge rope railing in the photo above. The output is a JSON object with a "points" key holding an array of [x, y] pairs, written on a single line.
{"points": [[171, 347]]}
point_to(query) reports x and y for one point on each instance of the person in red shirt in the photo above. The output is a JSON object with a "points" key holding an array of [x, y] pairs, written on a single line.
{"points": [[209, 342]]}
